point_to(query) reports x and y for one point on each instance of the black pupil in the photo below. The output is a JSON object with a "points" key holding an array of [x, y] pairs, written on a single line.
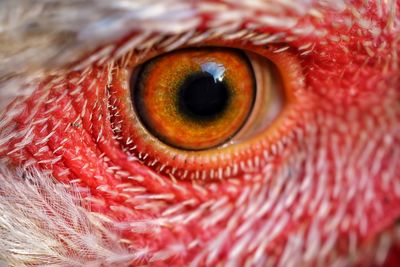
{"points": [[201, 95]]}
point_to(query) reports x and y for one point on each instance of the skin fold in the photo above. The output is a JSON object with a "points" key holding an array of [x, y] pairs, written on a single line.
{"points": [[322, 189]]}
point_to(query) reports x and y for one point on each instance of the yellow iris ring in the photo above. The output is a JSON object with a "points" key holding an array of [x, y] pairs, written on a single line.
{"points": [[158, 90]]}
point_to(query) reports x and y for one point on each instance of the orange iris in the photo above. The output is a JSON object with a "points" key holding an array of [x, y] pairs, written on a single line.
{"points": [[195, 99]]}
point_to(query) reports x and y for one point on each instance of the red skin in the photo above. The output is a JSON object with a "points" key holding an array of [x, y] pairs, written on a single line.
{"points": [[336, 162]]}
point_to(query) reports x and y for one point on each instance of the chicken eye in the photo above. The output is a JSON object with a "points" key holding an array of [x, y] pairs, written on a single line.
{"points": [[203, 112], [195, 99]]}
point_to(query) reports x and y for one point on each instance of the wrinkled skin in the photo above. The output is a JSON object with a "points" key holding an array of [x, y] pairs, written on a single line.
{"points": [[326, 191]]}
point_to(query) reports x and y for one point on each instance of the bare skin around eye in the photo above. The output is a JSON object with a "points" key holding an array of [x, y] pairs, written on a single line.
{"points": [[324, 191]]}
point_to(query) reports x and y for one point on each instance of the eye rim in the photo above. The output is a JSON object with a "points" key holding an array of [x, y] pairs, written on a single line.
{"points": [[182, 164]]}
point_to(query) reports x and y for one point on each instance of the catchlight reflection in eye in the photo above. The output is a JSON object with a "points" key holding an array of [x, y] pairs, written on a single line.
{"points": [[203, 112]]}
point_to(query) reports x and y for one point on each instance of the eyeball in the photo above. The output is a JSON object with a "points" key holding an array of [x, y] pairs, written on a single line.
{"points": [[198, 112], [195, 99]]}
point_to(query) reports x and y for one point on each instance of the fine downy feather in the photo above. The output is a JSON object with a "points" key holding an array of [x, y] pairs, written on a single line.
{"points": [[45, 223]]}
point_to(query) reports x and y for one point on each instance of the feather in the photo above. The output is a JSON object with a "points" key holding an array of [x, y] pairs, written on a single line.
{"points": [[45, 223], [40, 217]]}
